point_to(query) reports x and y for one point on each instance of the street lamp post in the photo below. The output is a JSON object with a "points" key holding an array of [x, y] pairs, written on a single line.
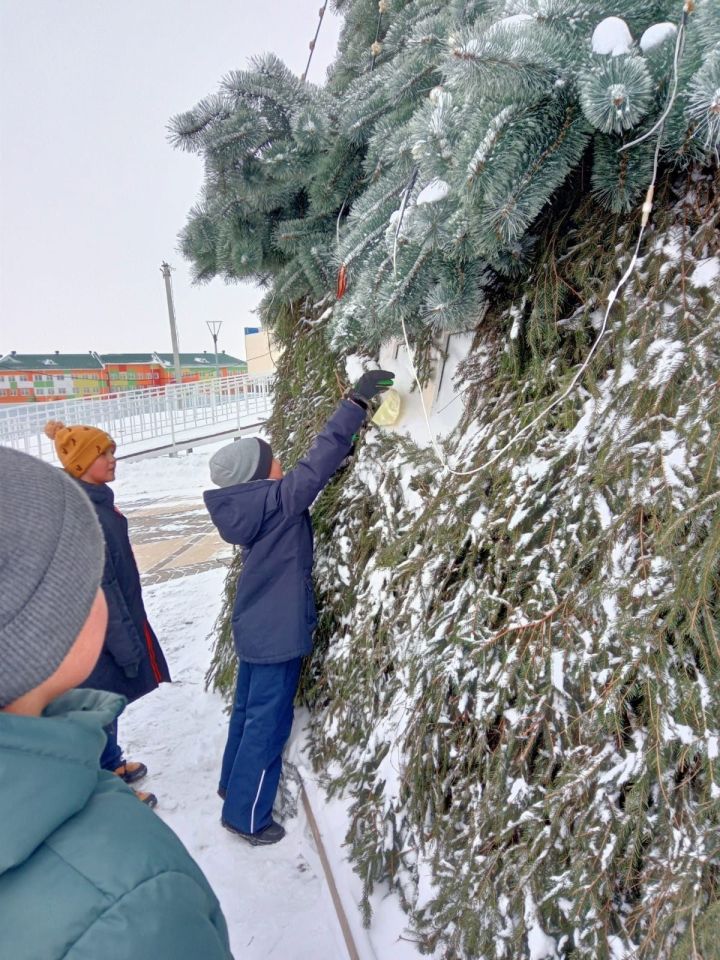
{"points": [[165, 269], [214, 328]]}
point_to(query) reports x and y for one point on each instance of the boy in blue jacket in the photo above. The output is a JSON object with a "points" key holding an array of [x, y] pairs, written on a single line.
{"points": [[266, 513]]}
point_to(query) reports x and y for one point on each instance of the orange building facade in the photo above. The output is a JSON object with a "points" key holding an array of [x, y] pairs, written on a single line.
{"points": [[34, 378], [29, 378]]}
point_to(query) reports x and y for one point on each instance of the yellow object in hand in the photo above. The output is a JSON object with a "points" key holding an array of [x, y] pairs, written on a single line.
{"points": [[388, 412]]}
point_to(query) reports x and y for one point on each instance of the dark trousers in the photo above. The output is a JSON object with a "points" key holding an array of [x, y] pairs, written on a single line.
{"points": [[260, 725], [112, 755]]}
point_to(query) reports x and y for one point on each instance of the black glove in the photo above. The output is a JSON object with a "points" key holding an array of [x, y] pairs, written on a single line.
{"points": [[370, 384]]}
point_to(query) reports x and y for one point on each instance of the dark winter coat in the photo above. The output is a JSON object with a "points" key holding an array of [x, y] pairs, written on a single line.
{"points": [[131, 662], [274, 614], [86, 871]]}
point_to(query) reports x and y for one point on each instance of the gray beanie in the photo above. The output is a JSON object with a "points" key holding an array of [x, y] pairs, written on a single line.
{"points": [[51, 561], [249, 458]]}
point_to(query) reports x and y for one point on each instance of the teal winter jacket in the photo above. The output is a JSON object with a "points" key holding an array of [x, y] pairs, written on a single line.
{"points": [[86, 871]]}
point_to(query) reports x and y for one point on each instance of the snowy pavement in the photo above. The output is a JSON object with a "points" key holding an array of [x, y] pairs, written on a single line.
{"points": [[171, 532], [174, 540]]}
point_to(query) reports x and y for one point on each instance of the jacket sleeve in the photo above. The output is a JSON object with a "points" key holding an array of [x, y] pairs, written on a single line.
{"points": [[303, 483], [122, 640], [169, 915]]}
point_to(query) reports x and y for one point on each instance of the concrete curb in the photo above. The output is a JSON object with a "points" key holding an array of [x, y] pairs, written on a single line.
{"points": [[352, 951]]}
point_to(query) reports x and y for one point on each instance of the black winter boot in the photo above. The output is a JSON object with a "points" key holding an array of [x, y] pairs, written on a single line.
{"points": [[272, 833]]}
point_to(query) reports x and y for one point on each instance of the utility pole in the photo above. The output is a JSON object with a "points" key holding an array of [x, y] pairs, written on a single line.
{"points": [[165, 270], [214, 328]]}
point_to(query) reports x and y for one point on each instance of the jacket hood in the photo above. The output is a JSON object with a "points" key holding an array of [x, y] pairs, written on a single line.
{"points": [[49, 768], [239, 512]]}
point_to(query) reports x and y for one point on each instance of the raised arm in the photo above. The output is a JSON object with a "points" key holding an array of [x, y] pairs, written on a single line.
{"points": [[304, 482], [334, 442]]}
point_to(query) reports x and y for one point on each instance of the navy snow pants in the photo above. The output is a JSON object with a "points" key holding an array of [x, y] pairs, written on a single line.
{"points": [[260, 725], [112, 756]]}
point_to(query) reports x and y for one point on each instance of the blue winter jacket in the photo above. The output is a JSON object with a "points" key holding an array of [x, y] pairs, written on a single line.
{"points": [[87, 872], [274, 614], [131, 662]]}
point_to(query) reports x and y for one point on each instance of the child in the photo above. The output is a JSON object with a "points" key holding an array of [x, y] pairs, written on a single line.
{"points": [[85, 870], [131, 662], [274, 614]]}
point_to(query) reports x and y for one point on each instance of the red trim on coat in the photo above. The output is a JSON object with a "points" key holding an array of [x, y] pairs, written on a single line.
{"points": [[151, 653]]}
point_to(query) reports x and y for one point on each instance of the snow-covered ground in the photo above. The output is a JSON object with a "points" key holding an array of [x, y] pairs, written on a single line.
{"points": [[165, 478], [276, 900]]}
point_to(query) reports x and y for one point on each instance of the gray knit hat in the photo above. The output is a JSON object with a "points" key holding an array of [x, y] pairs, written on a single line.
{"points": [[249, 458], [51, 562]]}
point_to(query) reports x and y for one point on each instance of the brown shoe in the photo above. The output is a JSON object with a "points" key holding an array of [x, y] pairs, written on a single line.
{"points": [[131, 771], [149, 799]]}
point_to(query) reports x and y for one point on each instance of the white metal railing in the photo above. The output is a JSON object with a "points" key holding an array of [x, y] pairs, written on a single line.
{"points": [[140, 419]]}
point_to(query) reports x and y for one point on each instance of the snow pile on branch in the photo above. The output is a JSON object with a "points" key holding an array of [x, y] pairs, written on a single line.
{"points": [[611, 37], [656, 34], [434, 191]]}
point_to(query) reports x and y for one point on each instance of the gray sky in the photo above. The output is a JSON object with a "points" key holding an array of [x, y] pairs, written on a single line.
{"points": [[91, 194]]}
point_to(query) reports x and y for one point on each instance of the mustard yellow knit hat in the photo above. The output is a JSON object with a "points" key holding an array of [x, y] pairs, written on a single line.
{"points": [[78, 447]]}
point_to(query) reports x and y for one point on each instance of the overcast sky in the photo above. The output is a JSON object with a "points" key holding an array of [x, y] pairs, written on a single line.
{"points": [[91, 194]]}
